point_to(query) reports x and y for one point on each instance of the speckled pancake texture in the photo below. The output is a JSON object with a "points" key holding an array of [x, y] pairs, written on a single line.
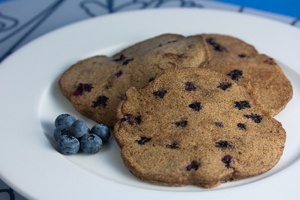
{"points": [[196, 126]]}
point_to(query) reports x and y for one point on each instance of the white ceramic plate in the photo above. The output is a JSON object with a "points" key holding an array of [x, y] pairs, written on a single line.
{"points": [[30, 101]]}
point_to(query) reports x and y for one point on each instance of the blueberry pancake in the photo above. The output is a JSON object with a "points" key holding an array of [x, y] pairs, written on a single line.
{"points": [[196, 126], [257, 72], [96, 85]]}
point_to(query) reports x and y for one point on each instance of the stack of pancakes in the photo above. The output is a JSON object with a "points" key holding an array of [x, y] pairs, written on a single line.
{"points": [[186, 110]]}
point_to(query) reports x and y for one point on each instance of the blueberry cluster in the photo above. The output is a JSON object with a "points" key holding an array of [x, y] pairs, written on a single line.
{"points": [[73, 134]]}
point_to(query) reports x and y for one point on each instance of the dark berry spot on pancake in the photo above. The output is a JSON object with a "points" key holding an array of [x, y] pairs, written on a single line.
{"points": [[227, 160], [219, 124], [183, 55], [235, 74], [101, 101], [172, 41], [241, 126], [131, 119], [223, 144], [193, 166], [127, 61], [118, 74], [215, 45], [242, 104], [242, 55], [123, 59], [255, 117], [151, 79], [82, 87], [172, 145], [189, 86], [160, 93], [224, 85], [195, 106], [143, 140], [181, 123], [270, 61]]}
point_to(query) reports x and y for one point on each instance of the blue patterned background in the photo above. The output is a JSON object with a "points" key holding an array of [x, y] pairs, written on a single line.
{"points": [[18, 28]]}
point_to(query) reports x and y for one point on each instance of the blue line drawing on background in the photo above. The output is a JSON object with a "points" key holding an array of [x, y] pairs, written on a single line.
{"points": [[10, 192], [92, 7], [35, 21], [7, 22]]}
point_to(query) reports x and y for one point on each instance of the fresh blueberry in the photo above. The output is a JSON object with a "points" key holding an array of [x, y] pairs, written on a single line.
{"points": [[102, 131], [91, 143], [79, 128], [68, 144], [64, 119], [61, 130]]}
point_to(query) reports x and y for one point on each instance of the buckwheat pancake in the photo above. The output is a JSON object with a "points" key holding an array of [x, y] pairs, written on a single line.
{"points": [[196, 126]]}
